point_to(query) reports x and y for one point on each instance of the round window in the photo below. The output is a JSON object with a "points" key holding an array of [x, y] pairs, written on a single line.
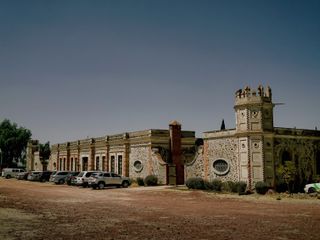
{"points": [[221, 167], [137, 165]]}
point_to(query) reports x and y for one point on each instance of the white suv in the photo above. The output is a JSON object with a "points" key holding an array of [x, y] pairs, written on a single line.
{"points": [[82, 178], [312, 188], [11, 172], [100, 180]]}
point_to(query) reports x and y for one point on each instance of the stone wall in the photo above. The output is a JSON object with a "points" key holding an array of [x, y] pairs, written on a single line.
{"points": [[226, 149], [139, 161], [195, 167]]}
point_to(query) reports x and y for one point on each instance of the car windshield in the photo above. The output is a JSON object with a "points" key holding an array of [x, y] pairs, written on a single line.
{"points": [[81, 174], [62, 173]]}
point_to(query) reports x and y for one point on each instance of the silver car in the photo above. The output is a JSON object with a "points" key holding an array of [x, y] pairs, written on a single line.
{"points": [[34, 176], [59, 177]]}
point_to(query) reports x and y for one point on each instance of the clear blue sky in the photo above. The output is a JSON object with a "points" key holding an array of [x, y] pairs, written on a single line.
{"points": [[72, 69]]}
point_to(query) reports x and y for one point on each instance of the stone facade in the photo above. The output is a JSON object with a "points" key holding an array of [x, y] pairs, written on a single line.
{"points": [[135, 154], [251, 152], [254, 150]]}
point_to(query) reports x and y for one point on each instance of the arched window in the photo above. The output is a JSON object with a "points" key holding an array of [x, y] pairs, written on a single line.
{"points": [[286, 156]]}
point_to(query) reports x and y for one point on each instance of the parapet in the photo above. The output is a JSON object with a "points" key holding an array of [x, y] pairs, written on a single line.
{"points": [[249, 96]]}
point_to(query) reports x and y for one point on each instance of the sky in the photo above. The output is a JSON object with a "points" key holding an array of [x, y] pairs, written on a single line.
{"points": [[74, 69]]}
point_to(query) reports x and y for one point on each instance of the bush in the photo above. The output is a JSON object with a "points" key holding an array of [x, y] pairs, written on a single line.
{"points": [[140, 181], [213, 185], [261, 187], [281, 186], [151, 180], [229, 186], [241, 187], [195, 183], [207, 185]]}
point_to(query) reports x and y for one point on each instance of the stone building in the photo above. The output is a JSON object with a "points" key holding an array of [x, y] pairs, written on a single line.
{"points": [[251, 152], [134, 154], [255, 148]]}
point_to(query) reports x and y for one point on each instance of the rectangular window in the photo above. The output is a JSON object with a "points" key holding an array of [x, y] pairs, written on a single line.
{"points": [[120, 165], [97, 164], [76, 165], [112, 162], [64, 164], [71, 167], [103, 162], [60, 164]]}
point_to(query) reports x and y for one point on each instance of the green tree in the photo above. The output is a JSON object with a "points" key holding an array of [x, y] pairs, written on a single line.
{"points": [[44, 152], [287, 172], [13, 143]]}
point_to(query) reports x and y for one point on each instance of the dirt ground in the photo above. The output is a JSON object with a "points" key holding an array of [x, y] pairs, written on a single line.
{"points": [[31, 210]]}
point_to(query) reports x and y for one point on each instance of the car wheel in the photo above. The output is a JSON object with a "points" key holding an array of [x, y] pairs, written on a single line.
{"points": [[125, 184], [8, 176], [101, 185], [61, 181], [311, 190]]}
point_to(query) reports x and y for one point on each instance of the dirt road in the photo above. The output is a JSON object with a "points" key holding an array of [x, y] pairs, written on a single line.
{"points": [[31, 210]]}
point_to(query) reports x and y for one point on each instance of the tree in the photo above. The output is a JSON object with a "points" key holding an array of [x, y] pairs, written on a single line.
{"points": [[288, 172], [13, 143], [223, 126], [44, 152]]}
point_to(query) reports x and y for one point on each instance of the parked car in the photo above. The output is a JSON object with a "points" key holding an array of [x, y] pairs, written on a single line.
{"points": [[71, 178], [100, 180], [11, 172], [34, 176], [45, 176], [22, 175], [312, 188], [59, 177], [82, 178]]}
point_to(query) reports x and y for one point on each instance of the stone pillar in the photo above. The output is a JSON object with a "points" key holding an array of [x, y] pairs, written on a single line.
{"points": [[68, 157], [106, 160], [91, 159], [175, 147], [125, 158]]}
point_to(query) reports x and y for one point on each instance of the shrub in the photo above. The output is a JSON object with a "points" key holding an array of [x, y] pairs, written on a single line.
{"points": [[241, 187], [195, 183], [261, 187], [151, 180], [207, 185], [281, 186], [140, 181], [216, 185], [229, 186]]}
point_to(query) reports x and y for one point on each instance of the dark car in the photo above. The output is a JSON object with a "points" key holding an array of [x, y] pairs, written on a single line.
{"points": [[45, 176], [71, 176]]}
